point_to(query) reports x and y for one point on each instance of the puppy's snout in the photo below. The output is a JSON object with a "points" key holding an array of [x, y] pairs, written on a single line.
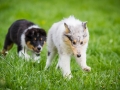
{"points": [[39, 48], [78, 55]]}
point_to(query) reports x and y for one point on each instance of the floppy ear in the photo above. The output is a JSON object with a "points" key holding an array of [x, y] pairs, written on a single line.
{"points": [[67, 30], [84, 24], [29, 33]]}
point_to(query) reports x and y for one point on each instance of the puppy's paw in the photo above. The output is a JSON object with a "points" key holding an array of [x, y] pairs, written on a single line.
{"points": [[69, 76], [36, 58], [87, 68], [27, 57]]}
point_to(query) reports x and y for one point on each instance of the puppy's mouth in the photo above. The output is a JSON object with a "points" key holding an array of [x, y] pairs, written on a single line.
{"points": [[36, 50]]}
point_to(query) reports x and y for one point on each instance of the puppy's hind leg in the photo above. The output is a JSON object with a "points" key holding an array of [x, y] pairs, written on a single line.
{"points": [[8, 44], [51, 50], [51, 54]]}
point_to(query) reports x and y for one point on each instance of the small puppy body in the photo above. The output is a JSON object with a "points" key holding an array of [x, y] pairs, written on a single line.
{"points": [[27, 36], [67, 37]]}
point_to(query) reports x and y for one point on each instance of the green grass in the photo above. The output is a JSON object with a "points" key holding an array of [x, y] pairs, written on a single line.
{"points": [[103, 53]]}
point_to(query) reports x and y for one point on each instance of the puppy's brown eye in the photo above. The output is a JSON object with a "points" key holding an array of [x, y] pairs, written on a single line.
{"points": [[35, 39], [41, 39], [74, 43], [81, 42]]}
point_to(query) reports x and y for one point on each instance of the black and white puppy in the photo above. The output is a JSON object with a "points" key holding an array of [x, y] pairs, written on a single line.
{"points": [[27, 36]]}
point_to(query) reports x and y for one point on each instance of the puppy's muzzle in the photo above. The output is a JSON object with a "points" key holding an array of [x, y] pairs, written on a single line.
{"points": [[38, 48]]}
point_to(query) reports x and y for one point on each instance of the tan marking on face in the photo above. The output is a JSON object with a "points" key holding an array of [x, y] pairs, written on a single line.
{"points": [[34, 38], [85, 40], [74, 42], [40, 38], [29, 45], [67, 41], [44, 44], [74, 50]]}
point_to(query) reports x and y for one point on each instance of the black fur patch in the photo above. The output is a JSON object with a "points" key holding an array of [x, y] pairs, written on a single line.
{"points": [[48, 53], [69, 37]]}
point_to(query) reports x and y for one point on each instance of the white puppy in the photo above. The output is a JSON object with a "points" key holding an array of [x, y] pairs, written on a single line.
{"points": [[67, 37]]}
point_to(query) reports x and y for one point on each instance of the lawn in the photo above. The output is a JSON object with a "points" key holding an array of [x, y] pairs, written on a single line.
{"points": [[103, 54]]}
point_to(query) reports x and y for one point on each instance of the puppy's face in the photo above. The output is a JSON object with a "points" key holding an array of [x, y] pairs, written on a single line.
{"points": [[76, 37], [35, 39]]}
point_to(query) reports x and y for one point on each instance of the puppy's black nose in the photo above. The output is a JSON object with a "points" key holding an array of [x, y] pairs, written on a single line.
{"points": [[78, 55], [39, 48]]}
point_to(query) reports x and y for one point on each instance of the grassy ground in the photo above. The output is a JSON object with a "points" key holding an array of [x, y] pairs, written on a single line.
{"points": [[103, 53]]}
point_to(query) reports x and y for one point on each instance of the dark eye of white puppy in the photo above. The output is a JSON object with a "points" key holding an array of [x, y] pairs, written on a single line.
{"points": [[35, 39], [81, 42], [74, 42]]}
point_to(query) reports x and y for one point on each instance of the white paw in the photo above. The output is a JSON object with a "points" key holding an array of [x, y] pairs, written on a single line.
{"points": [[87, 68], [27, 57], [36, 59], [69, 76]]}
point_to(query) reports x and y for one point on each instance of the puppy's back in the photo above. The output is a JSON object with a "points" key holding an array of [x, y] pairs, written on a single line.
{"points": [[17, 28]]}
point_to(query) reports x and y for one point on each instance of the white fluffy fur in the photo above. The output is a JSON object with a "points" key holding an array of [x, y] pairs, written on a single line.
{"points": [[23, 52], [56, 44]]}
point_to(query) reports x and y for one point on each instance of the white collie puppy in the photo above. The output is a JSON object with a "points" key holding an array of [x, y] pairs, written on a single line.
{"points": [[68, 37]]}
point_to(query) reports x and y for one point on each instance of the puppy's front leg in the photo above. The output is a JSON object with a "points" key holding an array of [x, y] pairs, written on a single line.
{"points": [[22, 53], [82, 62], [36, 57], [64, 64]]}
